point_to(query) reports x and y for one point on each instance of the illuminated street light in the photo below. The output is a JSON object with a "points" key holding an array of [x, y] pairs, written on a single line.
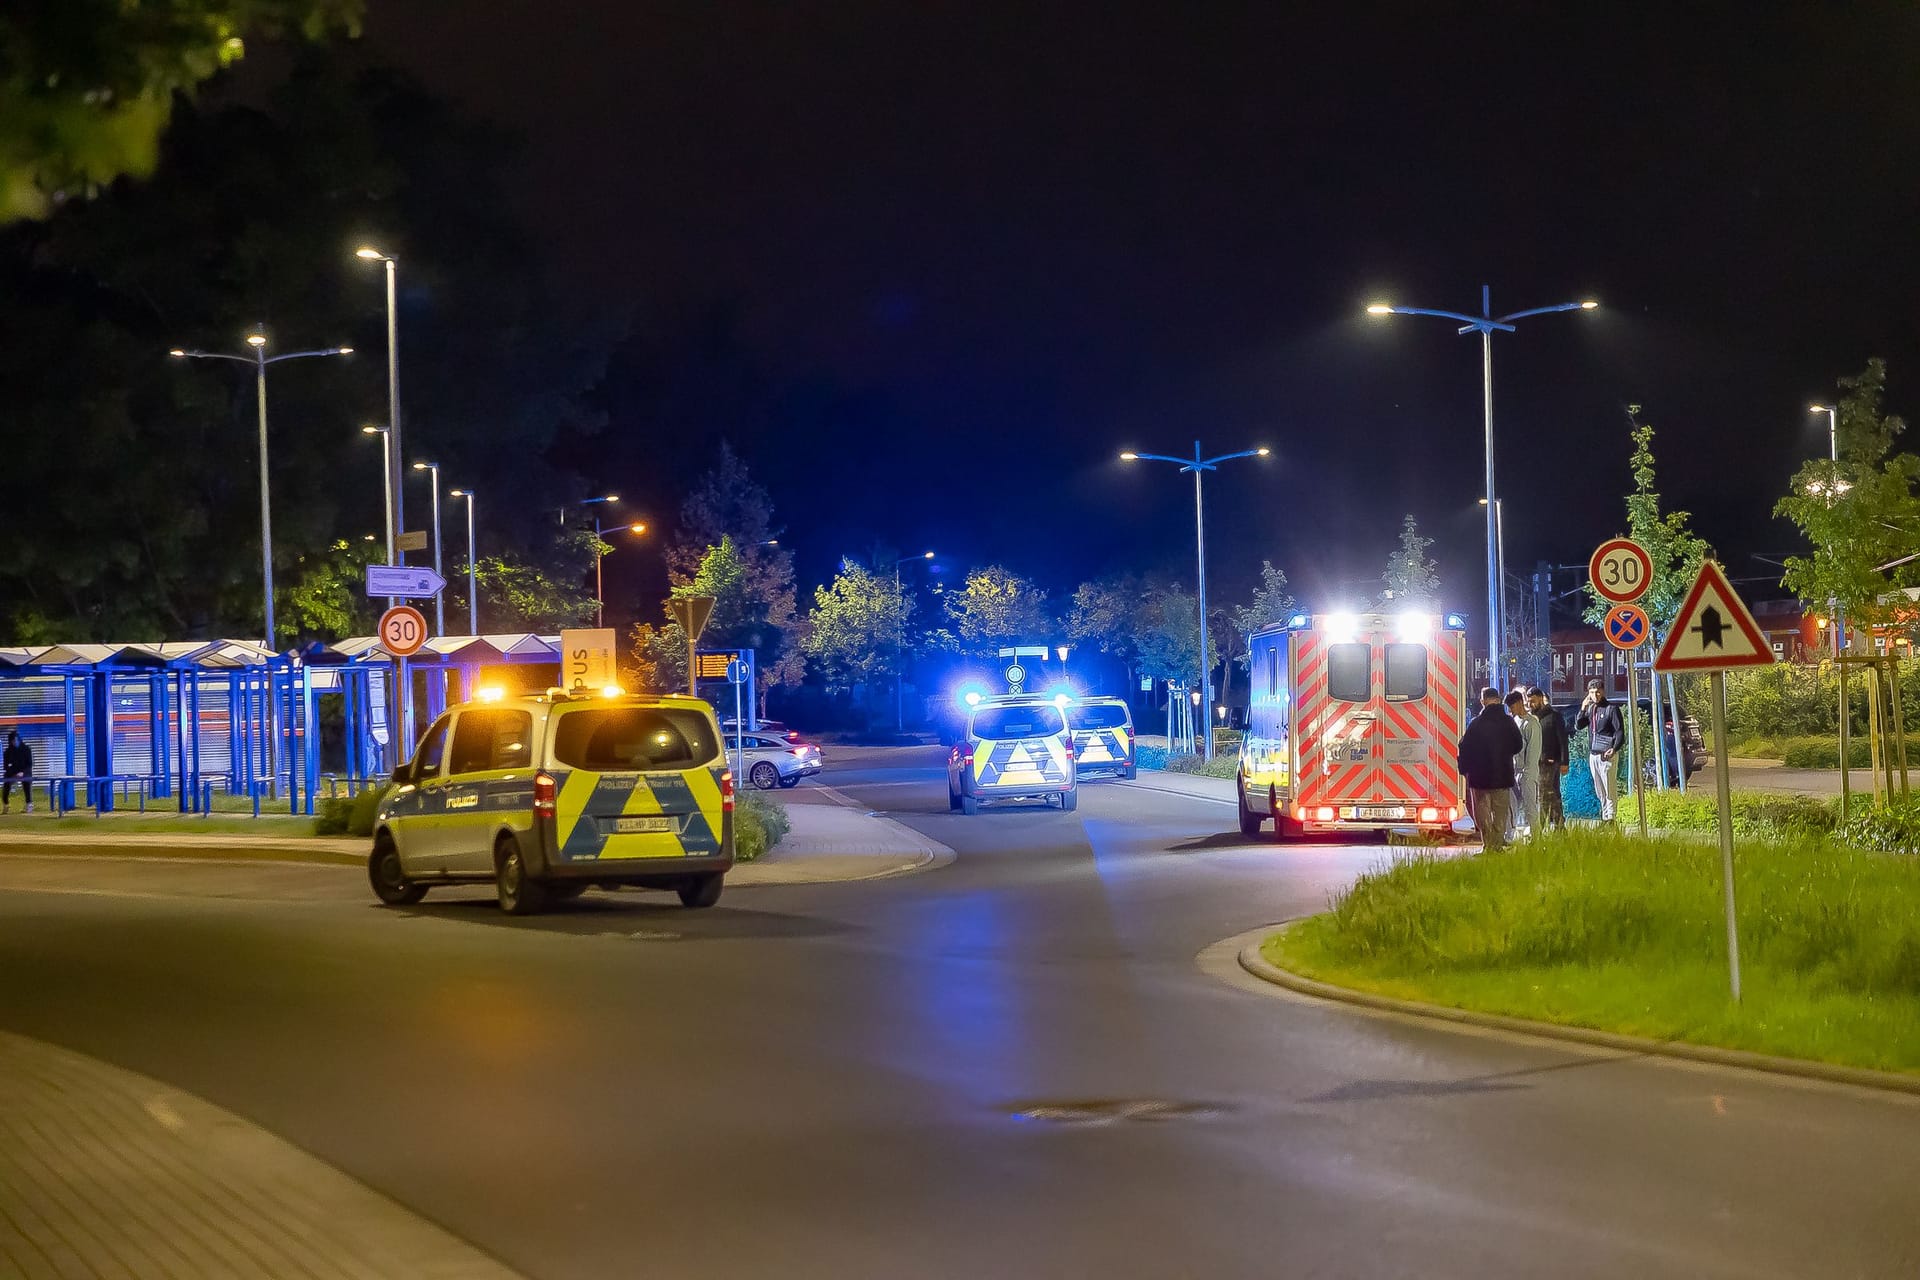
{"points": [[386, 472], [259, 359], [1199, 466], [1485, 324], [398, 520], [899, 648], [473, 578], [440, 600]]}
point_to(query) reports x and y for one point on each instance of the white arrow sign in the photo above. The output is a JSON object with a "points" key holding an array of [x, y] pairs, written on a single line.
{"points": [[403, 580]]}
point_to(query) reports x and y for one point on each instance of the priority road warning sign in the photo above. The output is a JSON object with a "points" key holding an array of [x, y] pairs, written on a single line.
{"points": [[1714, 630]]}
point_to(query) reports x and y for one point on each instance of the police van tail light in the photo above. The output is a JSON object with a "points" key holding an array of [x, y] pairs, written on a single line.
{"points": [[1070, 750], [543, 795], [726, 791]]}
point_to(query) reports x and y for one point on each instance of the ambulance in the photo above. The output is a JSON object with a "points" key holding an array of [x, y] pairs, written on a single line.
{"points": [[1353, 724]]}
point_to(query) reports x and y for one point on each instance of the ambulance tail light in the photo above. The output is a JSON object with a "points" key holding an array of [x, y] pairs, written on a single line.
{"points": [[1453, 815], [1299, 813], [1324, 813], [726, 791], [1429, 814], [543, 795]]}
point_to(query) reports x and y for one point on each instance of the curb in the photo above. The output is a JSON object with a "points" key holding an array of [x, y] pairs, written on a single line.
{"points": [[279, 856], [1863, 1077]]}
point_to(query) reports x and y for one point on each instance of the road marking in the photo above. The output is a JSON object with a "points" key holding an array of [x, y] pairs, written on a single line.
{"points": [[1184, 795]]}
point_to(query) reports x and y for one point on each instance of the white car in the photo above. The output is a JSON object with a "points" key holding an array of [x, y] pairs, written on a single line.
{"points": [[769, 728], [770, 761]]}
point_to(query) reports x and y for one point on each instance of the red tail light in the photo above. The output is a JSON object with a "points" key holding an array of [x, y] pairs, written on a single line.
{"points": [[543, 795], [726, 791], [1070, 751], [1429, 814]]}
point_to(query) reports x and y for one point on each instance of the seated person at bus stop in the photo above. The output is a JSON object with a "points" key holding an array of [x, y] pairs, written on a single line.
{"points": [[1486, 757], [17, 765]]}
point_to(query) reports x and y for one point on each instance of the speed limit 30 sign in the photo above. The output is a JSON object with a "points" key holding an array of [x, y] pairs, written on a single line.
{"points": [[403, 629], [1621, 570]]}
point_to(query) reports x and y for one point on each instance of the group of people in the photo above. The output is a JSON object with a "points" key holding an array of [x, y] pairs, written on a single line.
{"points": [[1515, 752]]}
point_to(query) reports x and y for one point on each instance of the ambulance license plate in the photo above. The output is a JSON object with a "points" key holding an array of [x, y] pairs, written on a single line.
{"points": [[628, 825], [1383, 812]]}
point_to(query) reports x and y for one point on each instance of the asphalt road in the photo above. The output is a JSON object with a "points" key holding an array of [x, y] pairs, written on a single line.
{"points": [[888, 1078]]}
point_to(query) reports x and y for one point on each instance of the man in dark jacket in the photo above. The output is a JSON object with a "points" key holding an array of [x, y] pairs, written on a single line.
{"points": [[1554, 758], [16, 763], [1601, 719], [1486, 762]]}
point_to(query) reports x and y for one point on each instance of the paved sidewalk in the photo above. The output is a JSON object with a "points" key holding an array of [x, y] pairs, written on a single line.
{"points": [[843, 840], [108, 1174]]}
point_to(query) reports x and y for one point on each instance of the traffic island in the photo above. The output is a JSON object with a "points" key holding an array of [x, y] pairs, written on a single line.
{"points": [[1602, 932]]}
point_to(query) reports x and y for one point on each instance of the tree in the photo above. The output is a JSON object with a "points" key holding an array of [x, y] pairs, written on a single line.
{"points": [[996, 609], [1411, 579], [743, 617], [236, 229], [857, 624], [328, 600], [516, 595], [87, 86], [1105, 614], [1859, 514], [1668, 539]]}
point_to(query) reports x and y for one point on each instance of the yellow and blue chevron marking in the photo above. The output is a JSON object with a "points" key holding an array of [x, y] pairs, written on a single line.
{"points": [[586, 805], [1099, 746], [1019, 763]]}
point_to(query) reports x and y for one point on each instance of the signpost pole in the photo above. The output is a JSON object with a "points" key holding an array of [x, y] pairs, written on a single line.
{"points": [[1635, 778], [739, 739], [1726, 826]]}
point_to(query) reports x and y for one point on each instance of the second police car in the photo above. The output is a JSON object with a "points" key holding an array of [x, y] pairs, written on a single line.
{"points": [[1014, 747], [547, 795]]}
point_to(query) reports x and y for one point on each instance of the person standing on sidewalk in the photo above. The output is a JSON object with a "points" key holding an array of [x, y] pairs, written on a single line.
{"points": [[16, 764], [1526, 764], [1601, 719], [1553, 760], [1486, 761]]}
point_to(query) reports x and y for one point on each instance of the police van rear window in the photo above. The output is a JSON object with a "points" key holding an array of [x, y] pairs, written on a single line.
{"points": [[1097, 717], [1002, 723], [633, 739]]}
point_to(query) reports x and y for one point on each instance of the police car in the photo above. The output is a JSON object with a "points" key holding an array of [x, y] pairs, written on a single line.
{"points": [[1016, 747], [547, 795], [1102, 736]]}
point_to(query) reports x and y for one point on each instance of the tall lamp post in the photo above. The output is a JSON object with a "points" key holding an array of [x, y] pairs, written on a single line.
{"points": [[1485, 324], [259, 359], [473, 577], [1200, 466], [899, 647], [1835, 488], [638, 529], [386, 472], [607, 499], [440, 600], [367, 253]]}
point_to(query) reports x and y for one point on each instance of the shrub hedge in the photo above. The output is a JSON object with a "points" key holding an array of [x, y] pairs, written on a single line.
{"points": [[759, 823]]}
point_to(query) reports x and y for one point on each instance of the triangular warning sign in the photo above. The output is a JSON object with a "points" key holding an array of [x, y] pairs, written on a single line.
{"points": [[1714, 629]]}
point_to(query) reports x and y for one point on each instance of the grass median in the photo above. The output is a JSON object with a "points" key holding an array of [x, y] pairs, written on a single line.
{"points": [[1598, 929]]}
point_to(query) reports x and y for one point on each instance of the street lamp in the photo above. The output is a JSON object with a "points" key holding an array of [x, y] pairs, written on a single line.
{"points": [[386, 472], [599, 597], [259, 359], [608, 499], [440, 599], [899, 647], [1831, 492], [1485, 324], [473, 578], [398, 514], [1199, 466]]}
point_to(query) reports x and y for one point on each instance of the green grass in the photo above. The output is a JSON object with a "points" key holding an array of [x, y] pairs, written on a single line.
{"points": [[1597, 929]]}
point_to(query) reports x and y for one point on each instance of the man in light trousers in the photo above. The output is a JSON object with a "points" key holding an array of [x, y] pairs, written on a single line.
{"points": [[1601, 719], [1526, 765]]}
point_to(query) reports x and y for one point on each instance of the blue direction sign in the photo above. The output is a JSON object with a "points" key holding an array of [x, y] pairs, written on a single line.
{"points": [[403, 580], [736, 671], [1627, 626]]}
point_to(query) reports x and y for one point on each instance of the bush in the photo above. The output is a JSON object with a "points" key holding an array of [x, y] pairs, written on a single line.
{"points": [[344, 816], [1824, 753], [1891, 828], [1223, 765], [759, 823], [1755, 813]]}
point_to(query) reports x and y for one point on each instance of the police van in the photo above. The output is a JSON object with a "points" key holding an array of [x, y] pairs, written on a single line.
{"points": [[1102, 736], [1016, 747], [547, 795]]}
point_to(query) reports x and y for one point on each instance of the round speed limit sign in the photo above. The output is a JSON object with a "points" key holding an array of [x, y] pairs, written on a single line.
{"points": [[1621, 571], [403, 629]]}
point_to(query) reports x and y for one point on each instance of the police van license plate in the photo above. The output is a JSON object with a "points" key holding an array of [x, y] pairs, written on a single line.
{"points": [[630, 825]]}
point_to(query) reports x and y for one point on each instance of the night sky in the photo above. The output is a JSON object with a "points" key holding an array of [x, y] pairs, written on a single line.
{"points": [[931, 266]]}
